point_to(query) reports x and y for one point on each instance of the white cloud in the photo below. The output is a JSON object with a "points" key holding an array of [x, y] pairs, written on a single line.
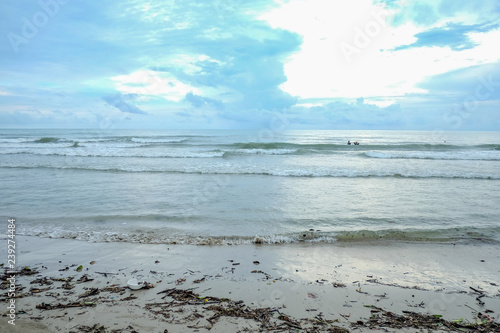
{"points": [[148, 82], [347, 51]]}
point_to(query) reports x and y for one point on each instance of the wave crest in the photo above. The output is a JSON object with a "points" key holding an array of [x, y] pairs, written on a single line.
{"points": [[157, 236]]}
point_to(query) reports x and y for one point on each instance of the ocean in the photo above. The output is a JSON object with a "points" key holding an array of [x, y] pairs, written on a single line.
{"points": [[217, 187]]}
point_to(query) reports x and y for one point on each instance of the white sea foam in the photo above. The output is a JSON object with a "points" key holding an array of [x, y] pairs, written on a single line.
{"points": [[257, 151], [112, 151], [159, 236], [157, 140], [490, 155]]}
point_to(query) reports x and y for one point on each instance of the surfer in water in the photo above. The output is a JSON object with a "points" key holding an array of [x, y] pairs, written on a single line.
{"points": [[349, 142]]}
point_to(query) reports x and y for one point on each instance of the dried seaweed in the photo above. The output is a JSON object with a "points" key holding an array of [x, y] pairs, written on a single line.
{"points": [[89, 329], [383, 318], [268, 319], [90, 292], [45, 306], [25, 271]]}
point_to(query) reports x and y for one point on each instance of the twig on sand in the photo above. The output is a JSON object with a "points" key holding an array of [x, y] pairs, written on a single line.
{"points": [[106, 273], [477, 290], [45, 306]]}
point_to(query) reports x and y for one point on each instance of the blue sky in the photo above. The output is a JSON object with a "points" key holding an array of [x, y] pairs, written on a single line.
{"points": [[315, 64]]}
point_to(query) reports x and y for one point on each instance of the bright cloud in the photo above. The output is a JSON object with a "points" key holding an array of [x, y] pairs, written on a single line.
{"points": [[348, 50], [147, 82]]}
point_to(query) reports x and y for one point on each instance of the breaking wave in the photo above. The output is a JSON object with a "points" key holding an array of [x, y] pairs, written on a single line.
{"points": [[489, 155], [157, 236]]}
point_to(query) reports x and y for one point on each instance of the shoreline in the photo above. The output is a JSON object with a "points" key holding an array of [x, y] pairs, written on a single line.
{"points": [[343, 285]]}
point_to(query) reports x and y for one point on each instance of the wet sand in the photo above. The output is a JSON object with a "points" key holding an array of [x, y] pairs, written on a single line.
{"points": [[302, 287]]}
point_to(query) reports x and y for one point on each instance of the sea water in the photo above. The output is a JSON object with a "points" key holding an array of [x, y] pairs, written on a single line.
{"points": [[241, 186]]}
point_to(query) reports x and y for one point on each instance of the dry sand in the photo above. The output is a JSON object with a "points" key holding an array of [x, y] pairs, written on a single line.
{"points": [[250, 288]]}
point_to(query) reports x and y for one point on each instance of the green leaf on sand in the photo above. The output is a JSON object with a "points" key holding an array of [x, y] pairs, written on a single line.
{"points": [[79, 268]]}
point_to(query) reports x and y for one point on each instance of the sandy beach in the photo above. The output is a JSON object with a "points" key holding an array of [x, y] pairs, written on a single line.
{"points": [[291, 287]]}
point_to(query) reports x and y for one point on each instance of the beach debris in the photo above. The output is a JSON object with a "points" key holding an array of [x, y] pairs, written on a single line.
{"points": [[52, 294], [42, 281], [106, 273], [485, 317], [180, 281], [92, 262], [68, 279], [84, 278], [199, 280], [312, 295], [134, 284], [148, 285], [256, 262], [90, 292], [336, 329], [79, 268], [114, 288], [45, 306], [409, 319], [361, 292], [37, 290], [25, 271], [222, 307], [185, 307], [67, 286], [258, 241], [261, 272], [419, 305], [89, 329], [477, 290], [481, 295]]}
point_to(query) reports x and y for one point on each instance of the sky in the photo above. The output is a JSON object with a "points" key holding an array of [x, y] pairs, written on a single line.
{"points": [[299, 64]]}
